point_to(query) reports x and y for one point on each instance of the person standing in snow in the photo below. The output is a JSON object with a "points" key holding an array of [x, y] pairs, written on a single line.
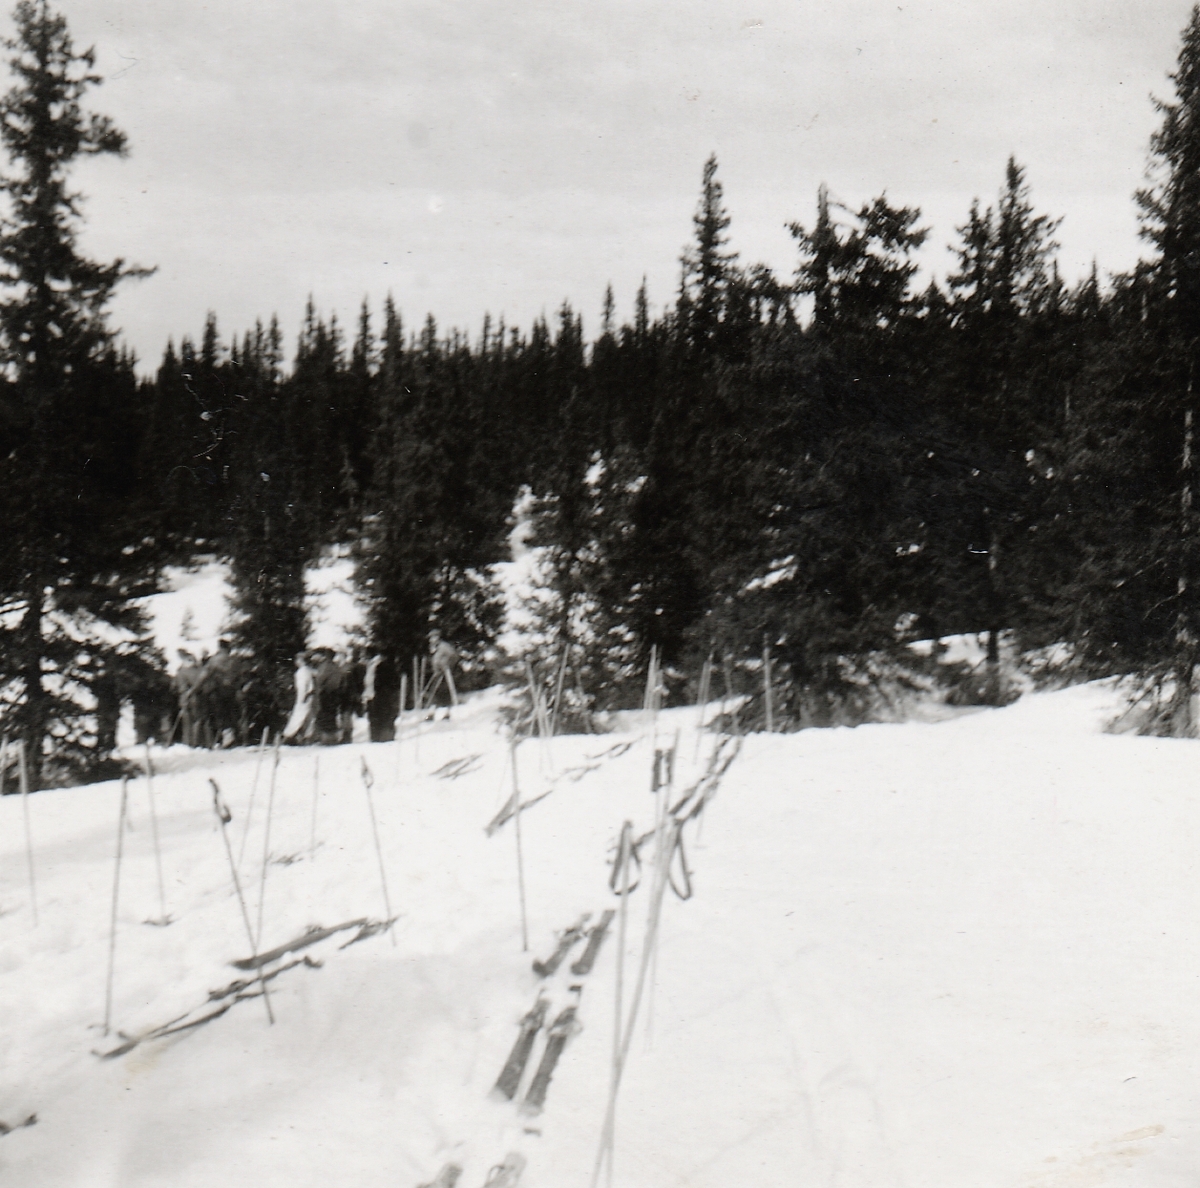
{"points": [[443, 658], [219, 696], [185, 682], [381, 700], [328, 680], [368, 694], [299, 725]]}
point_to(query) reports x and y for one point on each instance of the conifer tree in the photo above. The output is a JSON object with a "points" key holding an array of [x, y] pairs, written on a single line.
{"points": [[709, 267], [435, 514], [1149, 560], [990, 407], [75, 552]]}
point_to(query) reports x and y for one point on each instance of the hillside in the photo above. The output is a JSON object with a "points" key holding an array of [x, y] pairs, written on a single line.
{"points": [[953, 955]]}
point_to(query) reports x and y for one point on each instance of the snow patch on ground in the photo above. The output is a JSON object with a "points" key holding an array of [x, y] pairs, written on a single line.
{"points": [[335, 616], [191, 612], [943, 955]]}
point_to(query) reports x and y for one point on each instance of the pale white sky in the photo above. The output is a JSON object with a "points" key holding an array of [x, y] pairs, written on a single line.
{"points": [[470, 156]]}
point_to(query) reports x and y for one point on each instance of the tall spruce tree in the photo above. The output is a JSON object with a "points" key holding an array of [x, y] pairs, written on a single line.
{"points": [[991, 407], [75, 553], [1167, 370]]}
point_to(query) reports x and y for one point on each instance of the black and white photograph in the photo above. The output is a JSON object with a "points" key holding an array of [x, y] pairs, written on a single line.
{"points": [[600, 595]]}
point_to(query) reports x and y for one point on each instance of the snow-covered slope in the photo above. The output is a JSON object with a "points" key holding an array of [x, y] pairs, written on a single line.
{"points": [[956, 955]]}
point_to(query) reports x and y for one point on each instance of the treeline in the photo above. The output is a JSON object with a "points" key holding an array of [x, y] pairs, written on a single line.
{"points": [[834, 466], [829, 464]]}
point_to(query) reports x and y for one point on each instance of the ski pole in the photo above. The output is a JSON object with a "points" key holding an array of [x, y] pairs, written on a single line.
{"points": [[312, 836], [224, 816], [162, 895], [769, 707], [398, 726], [647, 947], [558, 689], [23, 770], [112, 932], [262, 886], [666, 792], [266, 735], [702, 701], [368, 781], [624, 857], [520, 856], [175, 726]]}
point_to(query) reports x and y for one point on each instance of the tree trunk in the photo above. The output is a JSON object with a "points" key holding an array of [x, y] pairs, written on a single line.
{"points": [[993, 682], [1183, 714], [34, 711]]}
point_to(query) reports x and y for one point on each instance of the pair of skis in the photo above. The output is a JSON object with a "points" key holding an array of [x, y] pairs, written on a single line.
{"points": [[569, 939], [246, 988], [503, 1175], [565, 1024], [507, 1174]]}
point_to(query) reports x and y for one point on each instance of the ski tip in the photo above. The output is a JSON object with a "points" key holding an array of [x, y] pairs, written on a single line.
{"points": [[507, 1172], [446, 1178]]}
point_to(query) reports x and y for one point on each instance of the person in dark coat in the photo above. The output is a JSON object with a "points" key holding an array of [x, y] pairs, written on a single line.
{"points": [[186, 682], [327, 697]]}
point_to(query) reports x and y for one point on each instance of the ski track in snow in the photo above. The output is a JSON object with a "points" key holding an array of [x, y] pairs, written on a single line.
{"points": [[954, 955]]}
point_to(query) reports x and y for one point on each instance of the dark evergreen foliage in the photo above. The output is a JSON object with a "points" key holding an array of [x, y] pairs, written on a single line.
{"points": [[830, 466], [80, 533]]}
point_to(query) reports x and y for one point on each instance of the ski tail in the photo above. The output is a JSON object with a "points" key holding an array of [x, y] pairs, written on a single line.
{"points": [[446, 1178], [514, 1068], [566, 943], [565, 1026], [595, 939], [508, 1173]]}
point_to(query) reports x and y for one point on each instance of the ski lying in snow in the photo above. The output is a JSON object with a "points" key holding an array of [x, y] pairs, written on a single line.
{"points": [[235, 992], [301, 942], [446, 1178], [131, 1041], [596, 935], [371, 928], [514, 1068], [457, 768], [6, 1129], [508, 1173], [173, 1028], [508, 812], [243, 984], [560, 1031], [566, 942]]}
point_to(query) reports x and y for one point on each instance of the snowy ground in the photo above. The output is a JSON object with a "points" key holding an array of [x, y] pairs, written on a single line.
{"points": [[956, 955]]}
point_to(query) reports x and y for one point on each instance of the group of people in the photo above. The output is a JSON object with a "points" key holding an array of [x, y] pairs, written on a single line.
{"points": [[329, 694], [209, 693], [327, 697], [225, 698]]}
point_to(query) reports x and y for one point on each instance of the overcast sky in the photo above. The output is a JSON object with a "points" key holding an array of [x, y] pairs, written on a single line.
{"points": [[469, 156]]}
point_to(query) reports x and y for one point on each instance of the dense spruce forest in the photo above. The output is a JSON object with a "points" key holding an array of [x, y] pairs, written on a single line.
{"points": [[829, 464]]}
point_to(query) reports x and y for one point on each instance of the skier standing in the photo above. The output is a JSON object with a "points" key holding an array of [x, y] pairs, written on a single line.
{"points": [[186, 681], [443, 658], [327, 698], [299, 725]]}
